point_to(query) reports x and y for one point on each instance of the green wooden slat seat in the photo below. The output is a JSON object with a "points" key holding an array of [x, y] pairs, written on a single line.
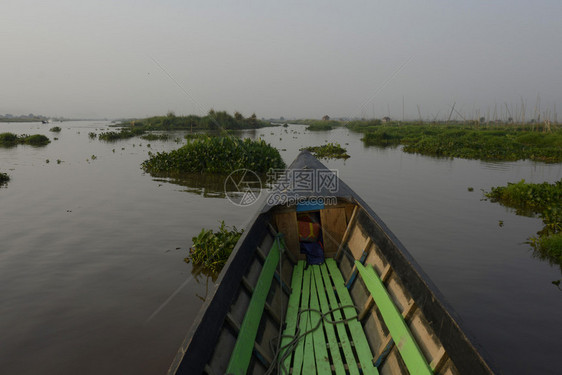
{"points": [[299, 352], [399, 331], [330, 329], [340, 328], [360, 340], [320, 288], [320, 361], [242, 353]]}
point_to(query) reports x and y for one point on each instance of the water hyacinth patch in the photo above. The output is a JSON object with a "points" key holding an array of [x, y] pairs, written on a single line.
{"points": [[216, 155], [329, 151], [123, 134], [9, 139], [212, 249], [544, 200], [155, 137]]}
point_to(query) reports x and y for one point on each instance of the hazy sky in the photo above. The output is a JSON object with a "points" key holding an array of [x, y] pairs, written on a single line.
{"points": [[101, 58]]}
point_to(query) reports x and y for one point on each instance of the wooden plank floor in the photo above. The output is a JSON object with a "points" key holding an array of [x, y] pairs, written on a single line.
{"points": [[313, 345]]}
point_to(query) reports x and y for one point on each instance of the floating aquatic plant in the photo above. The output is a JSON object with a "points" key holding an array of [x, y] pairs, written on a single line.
{"points": [[216, 155], [544, 200], [155, 137], [212, 249], [10, 139], [124, 133], [329, 151]]}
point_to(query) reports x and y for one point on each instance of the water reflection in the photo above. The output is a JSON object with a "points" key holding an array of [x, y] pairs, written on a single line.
{"points": [[204, 275], [235, 186], [206, 185]]}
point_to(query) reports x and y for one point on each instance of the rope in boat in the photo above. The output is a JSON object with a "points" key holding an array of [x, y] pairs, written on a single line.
{"points": [[288, 349]]}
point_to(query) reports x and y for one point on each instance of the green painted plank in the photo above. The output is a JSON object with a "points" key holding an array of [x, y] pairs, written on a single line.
{"points": [[361, 345], [242, 353], [409, 350], [330, 330], [321, 361], [303, 325], [336, 316], [308, 363], [292, 311]]}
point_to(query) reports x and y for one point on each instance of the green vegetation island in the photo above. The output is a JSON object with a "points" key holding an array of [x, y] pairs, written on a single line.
{"points": [[10, 140], [329, 151], [543, 200], [493, 141], [220, 155], [214, 121]]}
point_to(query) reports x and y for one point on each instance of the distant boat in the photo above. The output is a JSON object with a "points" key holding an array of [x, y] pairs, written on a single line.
{"points": [[374, 307]]}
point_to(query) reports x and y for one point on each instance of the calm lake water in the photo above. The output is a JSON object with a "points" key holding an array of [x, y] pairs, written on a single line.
{"points": [[92, 277]]}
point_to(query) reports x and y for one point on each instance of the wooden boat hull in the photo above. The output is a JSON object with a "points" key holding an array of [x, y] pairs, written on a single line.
{"points": [[356, 242]]}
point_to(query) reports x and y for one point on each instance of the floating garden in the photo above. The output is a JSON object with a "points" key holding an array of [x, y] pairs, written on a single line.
{"points": [[211, 250], [485, 143], [329, 151], [214, 120], [543, 200], [10, 139], [122, 134], [155, 137], [216, 155]]}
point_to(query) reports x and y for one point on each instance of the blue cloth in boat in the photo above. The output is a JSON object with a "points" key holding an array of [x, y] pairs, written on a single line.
{"points": [[313, 251]]}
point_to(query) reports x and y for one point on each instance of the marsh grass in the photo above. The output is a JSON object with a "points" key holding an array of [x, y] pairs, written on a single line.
{"points": [[55, 129]]}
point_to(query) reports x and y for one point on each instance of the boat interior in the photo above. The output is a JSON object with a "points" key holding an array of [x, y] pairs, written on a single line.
{"points": [[294, 313]]}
